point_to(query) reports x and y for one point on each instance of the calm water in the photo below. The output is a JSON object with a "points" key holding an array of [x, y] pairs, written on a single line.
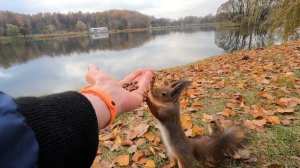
{"points": [[50, 66]]}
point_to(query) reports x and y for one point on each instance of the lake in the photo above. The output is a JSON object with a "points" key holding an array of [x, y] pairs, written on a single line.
{"points": [[55, 65]]}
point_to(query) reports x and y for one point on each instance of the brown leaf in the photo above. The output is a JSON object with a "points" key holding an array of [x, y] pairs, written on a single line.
{"points": [[257, 111], [273, 120], [140, 142], [274, 165], [249, 124], [126, 142], [196, 104], [122, 160], [150, 164], [107, 144], [132, 134], [142, 160], [137, 155], [183, 104], [267, 95], [141, 129], [228, 112], [149, 136], [132, 149], [286, 110], [286, 122], [156, 140], [260, 122]]}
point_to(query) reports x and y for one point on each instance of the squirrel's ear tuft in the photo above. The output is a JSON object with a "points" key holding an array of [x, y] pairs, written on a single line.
{"points": [[177, 87]]}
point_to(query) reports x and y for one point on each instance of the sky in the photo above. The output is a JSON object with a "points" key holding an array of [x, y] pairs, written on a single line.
{"points": [[173, 9]]}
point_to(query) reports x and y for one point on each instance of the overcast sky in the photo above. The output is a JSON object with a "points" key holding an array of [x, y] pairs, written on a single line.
{"points": [[159, 8]]}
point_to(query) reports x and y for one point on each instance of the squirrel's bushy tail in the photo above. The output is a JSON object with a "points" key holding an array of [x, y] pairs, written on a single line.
{"points": [[213, 149]]}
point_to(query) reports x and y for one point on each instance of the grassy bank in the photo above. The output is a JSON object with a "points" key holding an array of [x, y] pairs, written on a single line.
{"points": [[258, 89]]}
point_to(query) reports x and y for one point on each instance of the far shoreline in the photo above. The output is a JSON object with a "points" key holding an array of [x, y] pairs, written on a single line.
{"points": [[36, 37]]}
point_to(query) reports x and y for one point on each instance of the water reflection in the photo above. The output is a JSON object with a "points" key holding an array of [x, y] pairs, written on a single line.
{"points": [[234, 39], [49, 66], [21, 52]]}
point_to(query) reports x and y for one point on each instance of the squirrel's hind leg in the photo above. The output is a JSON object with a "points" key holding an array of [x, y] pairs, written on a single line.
{"points": [[172, 164]]}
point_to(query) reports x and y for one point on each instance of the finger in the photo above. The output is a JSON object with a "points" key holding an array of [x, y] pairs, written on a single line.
{"points": [[131, 77], [94, 74], [144, 82]]}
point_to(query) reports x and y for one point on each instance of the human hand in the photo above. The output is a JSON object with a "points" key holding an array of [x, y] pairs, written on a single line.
{"points": [[125, 101]]}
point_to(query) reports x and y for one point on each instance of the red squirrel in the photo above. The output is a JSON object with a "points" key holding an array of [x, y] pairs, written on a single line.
{"points": [[164, 104]]}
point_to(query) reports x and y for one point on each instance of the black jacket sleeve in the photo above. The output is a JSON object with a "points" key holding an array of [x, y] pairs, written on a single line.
{"points": [[66, 128]]}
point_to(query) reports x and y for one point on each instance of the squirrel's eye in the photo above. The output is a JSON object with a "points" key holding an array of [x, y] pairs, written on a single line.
{"points": [[163, 93]]}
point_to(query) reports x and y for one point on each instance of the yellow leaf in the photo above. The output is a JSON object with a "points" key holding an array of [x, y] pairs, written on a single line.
{"points": [[241, 85], [118, 140], [122, 160], [149, 136], [152, 150], [197, 131], [150, 164]]}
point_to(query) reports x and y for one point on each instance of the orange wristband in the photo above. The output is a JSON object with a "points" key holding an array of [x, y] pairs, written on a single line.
{"points": [[106, 98]]}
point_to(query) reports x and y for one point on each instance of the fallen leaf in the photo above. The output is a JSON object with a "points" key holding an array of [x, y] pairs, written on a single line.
{"points": [[132, 149], [140, 142], [150, 164], [241, 85], [273, 120], [96, 162], [137, 156], [152, 150], [242, 154], [118, 140], [105, 137], [126, 142], [186, 121], [149, 136], [183, 104], [286, 122], [257, 111], [286, 110], [156, 140], [196, 104], [107, 144], [267, 95], [197, 131], [249, 124], [228, 112], [122, 160], [142, 161], [260, 122], [274, 165], [207, 118], [141, 129], [162, 155]]}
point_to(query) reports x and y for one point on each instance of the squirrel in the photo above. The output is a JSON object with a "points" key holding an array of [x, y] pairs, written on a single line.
{"points": [[164, 104]]}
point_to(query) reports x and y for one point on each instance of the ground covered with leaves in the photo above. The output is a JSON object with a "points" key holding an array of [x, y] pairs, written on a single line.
{"points": [[258, 89]]}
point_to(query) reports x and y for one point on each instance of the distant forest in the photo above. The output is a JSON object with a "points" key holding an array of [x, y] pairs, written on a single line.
{"points": [[14, 24], [266, 14]]}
